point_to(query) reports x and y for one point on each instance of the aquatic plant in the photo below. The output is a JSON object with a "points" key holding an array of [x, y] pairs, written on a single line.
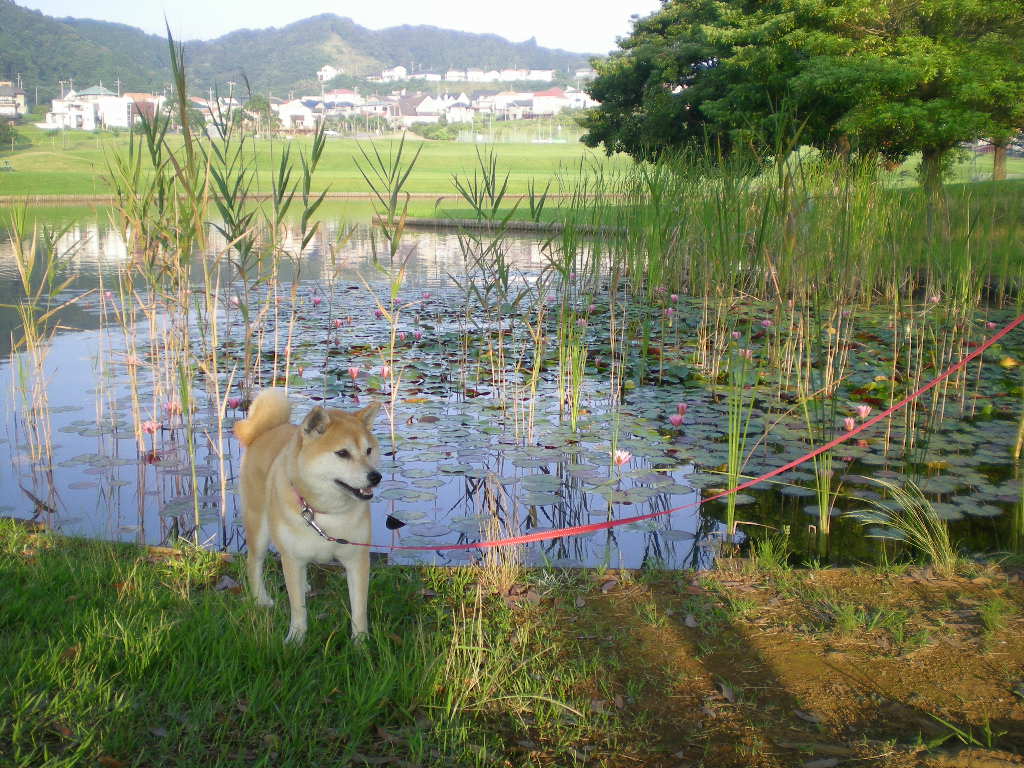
{"points": [[907, 516]]}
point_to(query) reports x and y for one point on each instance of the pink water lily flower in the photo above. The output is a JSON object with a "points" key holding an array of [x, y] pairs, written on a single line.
{"points": [[234, 402], [676, 419], [417, 335], [426, 295], [681, 408], [337, 323], [378, 313], [316, 301], [353, 371], [767, 323], [385, 371], [850, 423], [150, 427], [621, 457], [674, 297], [863, 411], [736, 335]]}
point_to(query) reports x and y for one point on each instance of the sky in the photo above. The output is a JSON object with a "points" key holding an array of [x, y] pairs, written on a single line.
{"points": [[575, 25]]}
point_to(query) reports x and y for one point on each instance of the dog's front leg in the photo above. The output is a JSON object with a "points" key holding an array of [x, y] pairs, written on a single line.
{"points": [[295, 581], [357, 574]]}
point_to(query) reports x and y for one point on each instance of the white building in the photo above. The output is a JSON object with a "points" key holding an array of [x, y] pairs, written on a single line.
{"points": [[541, 75], [91, 109], [550, 102], [326, 73], [455, 75], [12, 100], [580, 99], [343, 97], [511, 75], [394, 74], [296, 116]]}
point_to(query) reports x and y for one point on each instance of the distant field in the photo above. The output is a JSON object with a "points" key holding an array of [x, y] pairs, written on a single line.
{"points": [[75, 163]]}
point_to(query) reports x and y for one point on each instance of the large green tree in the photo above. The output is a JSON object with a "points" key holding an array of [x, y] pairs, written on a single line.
{"points": [[887, 76]]}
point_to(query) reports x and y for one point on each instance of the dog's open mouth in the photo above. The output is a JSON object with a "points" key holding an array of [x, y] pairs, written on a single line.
{"points": [[360, 493]]}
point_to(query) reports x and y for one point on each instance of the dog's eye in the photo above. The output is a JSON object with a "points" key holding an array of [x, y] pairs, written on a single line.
{"points": [[343, 454], [369, 451]]}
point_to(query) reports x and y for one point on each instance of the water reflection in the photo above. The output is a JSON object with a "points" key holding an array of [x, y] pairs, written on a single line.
{"points": [[453, 439]]}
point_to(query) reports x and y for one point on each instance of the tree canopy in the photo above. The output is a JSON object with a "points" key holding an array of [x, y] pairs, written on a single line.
{"points": [[885, 76]]}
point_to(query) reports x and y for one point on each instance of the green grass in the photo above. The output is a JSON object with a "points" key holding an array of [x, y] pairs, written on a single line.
{"points": [[113, 658], [74, 163]]}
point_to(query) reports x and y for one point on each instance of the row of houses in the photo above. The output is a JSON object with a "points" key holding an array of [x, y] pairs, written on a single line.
{"points": [[471, 75], [97, 107], [405, 109]]}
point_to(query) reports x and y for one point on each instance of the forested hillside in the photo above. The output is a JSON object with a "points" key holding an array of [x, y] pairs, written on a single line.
{"points": [[45, 50]]}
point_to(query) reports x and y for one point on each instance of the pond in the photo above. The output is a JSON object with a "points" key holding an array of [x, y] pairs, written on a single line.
{"points": [[504, 410]]}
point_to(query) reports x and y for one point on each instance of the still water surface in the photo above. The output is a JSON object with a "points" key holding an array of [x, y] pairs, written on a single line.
{"points": [[461, 456]]}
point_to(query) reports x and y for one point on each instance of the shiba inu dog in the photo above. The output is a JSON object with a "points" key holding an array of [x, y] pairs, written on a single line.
{"points": [[308, 489]]}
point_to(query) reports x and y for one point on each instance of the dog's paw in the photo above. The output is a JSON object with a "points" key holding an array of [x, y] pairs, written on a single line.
{"points": [[295, 636], [264, 601]]}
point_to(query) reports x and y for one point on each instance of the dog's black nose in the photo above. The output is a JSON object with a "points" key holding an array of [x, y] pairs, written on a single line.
{"points": [[374, 478]]}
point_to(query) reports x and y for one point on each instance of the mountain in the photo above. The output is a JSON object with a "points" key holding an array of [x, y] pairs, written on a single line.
{"points": [[45, 50]]}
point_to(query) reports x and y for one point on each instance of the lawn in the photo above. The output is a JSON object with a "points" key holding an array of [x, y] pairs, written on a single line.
{"points": [[122, 656], [74, 163]]}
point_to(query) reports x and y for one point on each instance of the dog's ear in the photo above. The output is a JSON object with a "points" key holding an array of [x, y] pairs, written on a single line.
{"points": [[369, 414], [316, 421]]}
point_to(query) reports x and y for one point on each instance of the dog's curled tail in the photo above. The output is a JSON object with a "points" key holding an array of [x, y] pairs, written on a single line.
{"points": [[270, 409]]}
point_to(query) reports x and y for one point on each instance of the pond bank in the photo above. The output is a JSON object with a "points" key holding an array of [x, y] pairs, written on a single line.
{"points": [[120, 656]]}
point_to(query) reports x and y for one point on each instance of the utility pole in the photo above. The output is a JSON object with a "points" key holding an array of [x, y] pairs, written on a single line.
{"points": [[18, 77], [118, 81]]}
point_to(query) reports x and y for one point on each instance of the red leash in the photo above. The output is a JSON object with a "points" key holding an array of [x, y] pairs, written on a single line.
{"points": [[576, 530]]}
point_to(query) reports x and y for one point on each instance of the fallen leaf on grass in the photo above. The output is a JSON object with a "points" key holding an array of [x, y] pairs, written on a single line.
{"points": [[110, 762], [690, 621], [70, 654], [608, 585], [159, 731], [580, 602]]}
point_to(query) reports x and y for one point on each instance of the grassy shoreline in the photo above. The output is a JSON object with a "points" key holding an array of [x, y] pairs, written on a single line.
{"points": [[124, 657]]}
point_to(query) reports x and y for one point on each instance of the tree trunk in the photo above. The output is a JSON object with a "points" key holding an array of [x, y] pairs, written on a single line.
{"points": [[931, 172], [931, 184], [999, 160]]}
